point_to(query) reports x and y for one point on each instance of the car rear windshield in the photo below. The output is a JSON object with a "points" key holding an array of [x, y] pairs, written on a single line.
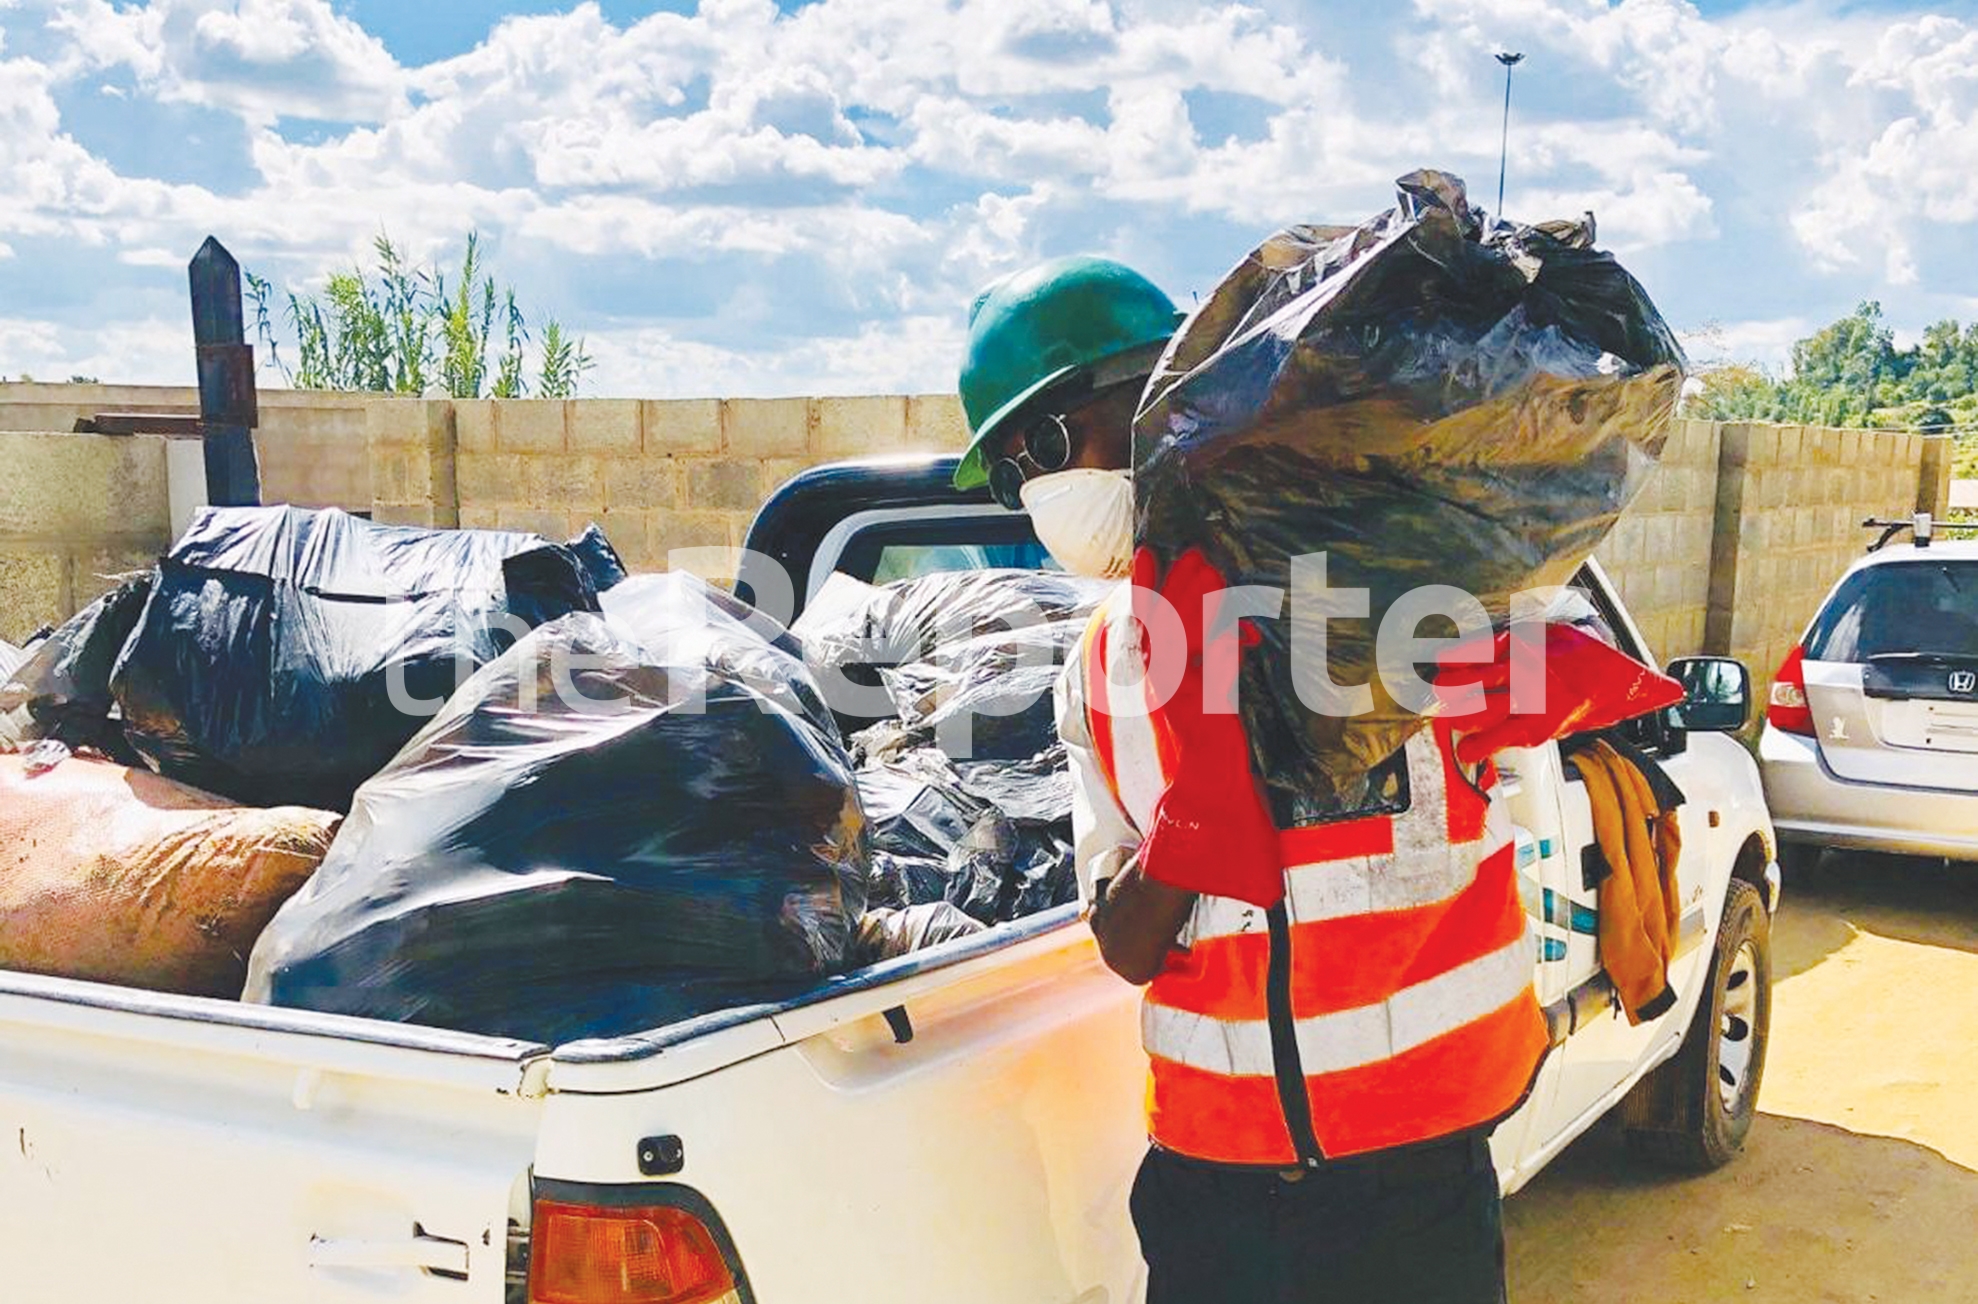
{"points": [[1927, 608]]}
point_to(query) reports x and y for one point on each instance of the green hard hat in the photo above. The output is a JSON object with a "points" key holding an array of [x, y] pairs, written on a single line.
{"points": [[1034, 329]]}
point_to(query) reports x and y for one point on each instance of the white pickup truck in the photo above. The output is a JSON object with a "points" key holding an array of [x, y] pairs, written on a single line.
{"points": [[960, 1125]]}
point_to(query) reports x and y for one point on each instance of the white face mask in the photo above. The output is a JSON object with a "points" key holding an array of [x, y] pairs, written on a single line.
{"points": [[1085, 517]]}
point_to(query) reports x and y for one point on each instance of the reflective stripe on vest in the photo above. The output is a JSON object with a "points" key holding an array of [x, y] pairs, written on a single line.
{"points": [[1412, 1011]]}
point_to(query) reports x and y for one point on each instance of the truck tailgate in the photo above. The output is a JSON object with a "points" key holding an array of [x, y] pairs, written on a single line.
{"points": [[168, 1148], [985, 1159]]}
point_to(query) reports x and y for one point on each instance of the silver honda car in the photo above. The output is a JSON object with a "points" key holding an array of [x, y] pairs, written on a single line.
{"points": [[1871, 733]]}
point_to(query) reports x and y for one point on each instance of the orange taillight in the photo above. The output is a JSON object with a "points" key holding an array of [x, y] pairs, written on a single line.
{"points": [[1788, 708], [597, 1254]]}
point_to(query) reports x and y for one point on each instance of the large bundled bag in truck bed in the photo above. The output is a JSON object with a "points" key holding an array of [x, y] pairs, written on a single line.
{"points": [[623, 821], [284, 655], [968, 657], [118, 876], [1423, 399]]}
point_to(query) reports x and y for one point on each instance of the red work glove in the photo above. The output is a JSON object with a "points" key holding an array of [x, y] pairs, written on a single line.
{"points": [[1213, 830], [1588, 685]]}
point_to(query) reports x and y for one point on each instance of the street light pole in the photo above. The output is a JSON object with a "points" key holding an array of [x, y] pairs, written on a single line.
{"points": [[1510, 61]]}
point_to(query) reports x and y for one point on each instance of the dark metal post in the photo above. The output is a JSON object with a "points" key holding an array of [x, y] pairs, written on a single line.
{"points": [[1509, 61], [228, 407]]}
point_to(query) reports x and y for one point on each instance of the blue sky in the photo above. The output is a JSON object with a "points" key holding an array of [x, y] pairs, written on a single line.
{"points": [[725, 196]]}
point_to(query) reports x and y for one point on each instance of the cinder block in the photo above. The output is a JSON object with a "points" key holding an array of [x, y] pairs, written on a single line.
{"points": [[1659, 539], [1789, 443], [779, 471], [936, 422], [68, 486], [640, 483], [34, 591], [668, 530], [391, 476], [1624, 543], [626, 528], [406, 422], [857, 427], [681, 425], [549, 523], [604, 425], [766, 427], [566, 480], [419, 514], [474, 424], [487, 479], [530, 425], [97, 570], [723, 484]]}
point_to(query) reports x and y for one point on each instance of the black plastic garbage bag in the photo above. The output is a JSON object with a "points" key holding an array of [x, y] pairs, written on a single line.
{"points": [[598, 558], [658, 840], [1424, 400], [63, 686], [990, 837], [285, 655], [852, 630], [887, 934], [990, 697]]}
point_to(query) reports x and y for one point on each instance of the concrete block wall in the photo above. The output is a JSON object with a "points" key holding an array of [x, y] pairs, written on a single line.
{"points": [[663, 474], [1731, 544], [75, 511], [1791, 500], [311, 444], [1658, 554]]}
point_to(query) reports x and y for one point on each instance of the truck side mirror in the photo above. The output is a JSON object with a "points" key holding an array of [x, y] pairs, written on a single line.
{"points": [[1716, 694]]}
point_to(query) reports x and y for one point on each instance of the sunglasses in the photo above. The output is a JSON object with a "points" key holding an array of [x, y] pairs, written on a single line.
{"points": [[1044, 447]]}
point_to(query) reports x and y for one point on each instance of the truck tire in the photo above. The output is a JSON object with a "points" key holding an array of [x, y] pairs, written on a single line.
{"points": [[1693, 1112]]}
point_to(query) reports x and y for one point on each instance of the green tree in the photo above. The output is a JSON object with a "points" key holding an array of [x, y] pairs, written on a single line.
{"points": [[400, 329], [1735, 392], [1852, 374]]}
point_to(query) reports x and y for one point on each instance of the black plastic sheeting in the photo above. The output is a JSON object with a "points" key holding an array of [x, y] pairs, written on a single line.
{"points": [[989, 697], [263, 664], [991, 838], [962, 777], [966, 659], [64, 684], [1423, 398], [887, 934], [682, 837], [854, 634]]}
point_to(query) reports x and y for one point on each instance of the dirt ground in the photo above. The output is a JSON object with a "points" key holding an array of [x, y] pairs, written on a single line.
{"points": [[1860, 1181]]}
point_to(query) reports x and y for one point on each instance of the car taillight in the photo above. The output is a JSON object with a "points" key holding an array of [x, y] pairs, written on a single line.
{"points": [[598, 1254], [1788, 708]]}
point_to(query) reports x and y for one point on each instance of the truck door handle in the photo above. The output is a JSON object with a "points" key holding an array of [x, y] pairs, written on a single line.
{"points": [[426, 1253]]}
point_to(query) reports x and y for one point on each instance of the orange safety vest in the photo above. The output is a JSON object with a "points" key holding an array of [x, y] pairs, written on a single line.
{"points": [[1387, 1000]]}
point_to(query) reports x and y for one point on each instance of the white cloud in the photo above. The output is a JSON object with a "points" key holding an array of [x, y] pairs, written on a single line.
{"points": [[892, 155], [1764, 343], [904, 355], [145, 351], [262, 59]]}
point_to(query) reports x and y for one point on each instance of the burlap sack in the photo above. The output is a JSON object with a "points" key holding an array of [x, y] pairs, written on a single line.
{"points": [[119, 876]]}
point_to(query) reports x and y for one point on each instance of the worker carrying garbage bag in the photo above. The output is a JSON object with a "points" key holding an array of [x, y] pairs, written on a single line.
{"points": [[1338, 1011]]}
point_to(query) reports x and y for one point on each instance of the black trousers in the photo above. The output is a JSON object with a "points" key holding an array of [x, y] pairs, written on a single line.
{"points": [[1420, 1226]]}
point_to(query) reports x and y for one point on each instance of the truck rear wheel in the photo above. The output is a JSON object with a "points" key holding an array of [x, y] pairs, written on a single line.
{"points": [[1694, 1112]]}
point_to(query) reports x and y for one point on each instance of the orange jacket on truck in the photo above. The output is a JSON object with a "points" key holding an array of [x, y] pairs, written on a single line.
{"points": [[1387, 1000]]}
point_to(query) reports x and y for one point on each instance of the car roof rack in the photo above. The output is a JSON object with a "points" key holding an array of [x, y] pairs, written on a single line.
{"points": [[1921, 527]]}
